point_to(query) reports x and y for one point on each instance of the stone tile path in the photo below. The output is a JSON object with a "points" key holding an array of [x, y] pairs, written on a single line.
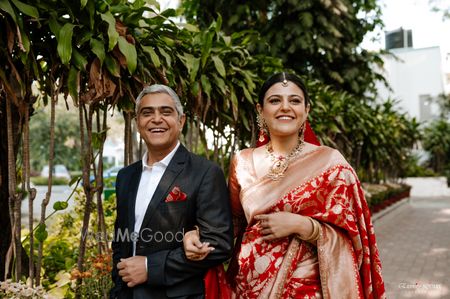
{"points": [[414, 243]]}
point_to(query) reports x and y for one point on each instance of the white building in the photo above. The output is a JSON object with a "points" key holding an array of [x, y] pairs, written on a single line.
{"points": [[417, 77]]}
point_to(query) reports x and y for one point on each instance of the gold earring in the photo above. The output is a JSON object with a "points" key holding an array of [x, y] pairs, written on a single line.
{"points": [[301, 133], [262, 124]]}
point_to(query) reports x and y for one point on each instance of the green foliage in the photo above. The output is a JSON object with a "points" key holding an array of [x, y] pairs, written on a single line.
{"points": [[318, 39], [61, 249], [40, 180], [412, 168], [67, 144], [436, 141], [373, 137], [59, 255], [378, 193]]}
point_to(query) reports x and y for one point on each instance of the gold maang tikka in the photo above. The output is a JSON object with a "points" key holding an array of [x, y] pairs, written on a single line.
{"points": [[285, 82]]}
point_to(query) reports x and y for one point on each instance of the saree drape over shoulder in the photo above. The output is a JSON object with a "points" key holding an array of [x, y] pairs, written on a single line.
{"points": [[322, 185]]}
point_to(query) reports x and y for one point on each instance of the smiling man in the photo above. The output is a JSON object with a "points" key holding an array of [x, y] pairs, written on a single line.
{"points": [[160, 197]]}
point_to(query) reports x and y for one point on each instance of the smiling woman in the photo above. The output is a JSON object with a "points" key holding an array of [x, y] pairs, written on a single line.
{"points": [[302, 225]]}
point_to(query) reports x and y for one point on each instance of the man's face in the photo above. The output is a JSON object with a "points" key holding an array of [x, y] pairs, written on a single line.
{"points": [[159, 123]]}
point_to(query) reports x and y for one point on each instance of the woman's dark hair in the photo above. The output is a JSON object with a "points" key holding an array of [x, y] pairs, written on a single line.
{"points": [[278, 78]]}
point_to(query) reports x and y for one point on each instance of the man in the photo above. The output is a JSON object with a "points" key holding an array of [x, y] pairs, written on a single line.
{"points": [[167, 193]]}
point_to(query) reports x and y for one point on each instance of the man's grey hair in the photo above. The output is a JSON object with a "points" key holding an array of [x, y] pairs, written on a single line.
{"points": [[159, 88]]}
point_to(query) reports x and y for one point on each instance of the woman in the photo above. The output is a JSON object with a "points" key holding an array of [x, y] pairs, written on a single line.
{"points": [[302, 223]]}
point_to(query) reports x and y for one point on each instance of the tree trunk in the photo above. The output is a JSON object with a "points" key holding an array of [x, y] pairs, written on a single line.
{"points": [[5, 220]]}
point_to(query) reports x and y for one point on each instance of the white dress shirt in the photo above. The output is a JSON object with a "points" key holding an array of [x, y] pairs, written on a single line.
{"points": [[151, 175]]}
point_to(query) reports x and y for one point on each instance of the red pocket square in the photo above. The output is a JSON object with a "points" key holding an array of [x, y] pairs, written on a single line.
{"points": [[176, 195]]}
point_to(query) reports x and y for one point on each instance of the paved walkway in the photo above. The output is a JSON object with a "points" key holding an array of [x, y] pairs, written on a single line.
{"points": [[414, 242]]}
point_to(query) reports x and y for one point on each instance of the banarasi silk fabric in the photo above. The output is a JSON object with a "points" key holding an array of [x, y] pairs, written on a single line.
{"points": [[319, 184]]}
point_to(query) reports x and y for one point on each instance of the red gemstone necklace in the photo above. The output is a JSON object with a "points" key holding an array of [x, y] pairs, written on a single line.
{"points": [[280, 162]]}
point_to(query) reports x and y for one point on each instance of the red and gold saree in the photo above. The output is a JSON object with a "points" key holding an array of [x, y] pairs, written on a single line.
{"points": [[322, 185]]}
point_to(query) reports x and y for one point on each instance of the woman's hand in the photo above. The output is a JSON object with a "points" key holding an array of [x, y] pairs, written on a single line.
{"points": [[283, 224], [194, 249]]}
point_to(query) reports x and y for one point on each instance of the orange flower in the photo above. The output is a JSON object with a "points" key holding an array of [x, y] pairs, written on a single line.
{"points": [[75, 274], [98, 265]]}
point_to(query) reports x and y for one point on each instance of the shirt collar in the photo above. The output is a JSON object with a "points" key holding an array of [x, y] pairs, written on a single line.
{"points": [[164, 162]]}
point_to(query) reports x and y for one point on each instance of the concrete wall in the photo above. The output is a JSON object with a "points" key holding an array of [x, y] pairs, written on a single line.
{"points": [[416, 77]]}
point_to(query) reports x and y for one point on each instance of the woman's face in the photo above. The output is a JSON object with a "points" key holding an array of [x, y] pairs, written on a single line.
{"points": [[284, 109]]}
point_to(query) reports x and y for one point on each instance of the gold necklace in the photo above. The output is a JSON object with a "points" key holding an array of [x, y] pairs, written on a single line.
{"points": [[281, 163]]}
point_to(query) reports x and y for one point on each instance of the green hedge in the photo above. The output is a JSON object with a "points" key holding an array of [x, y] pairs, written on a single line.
{"points": [[40, 180], [379, 193]]}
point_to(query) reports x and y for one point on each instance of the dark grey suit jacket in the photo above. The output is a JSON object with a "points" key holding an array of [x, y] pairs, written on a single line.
{"points": [[170, 274]]}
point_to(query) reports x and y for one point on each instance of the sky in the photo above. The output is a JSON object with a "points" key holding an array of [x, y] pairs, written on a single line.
{"points": [[428, 28]]}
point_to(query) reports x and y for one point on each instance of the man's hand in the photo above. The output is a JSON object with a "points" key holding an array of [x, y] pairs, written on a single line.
{"points": [[133, 270]]}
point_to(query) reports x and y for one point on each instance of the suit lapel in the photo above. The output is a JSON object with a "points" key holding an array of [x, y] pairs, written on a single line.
{"points": [[133, 187], [172, 171]]}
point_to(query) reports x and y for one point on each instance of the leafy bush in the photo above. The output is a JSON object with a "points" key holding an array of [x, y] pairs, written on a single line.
{"points": [[39, 180], [379, 193], [61, 251], [412, 168], [59, 255]]}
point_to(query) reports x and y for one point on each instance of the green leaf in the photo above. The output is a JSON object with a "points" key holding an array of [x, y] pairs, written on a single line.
{"points": [[54, 26], [113, 35], [168, 41], [153, 55], [85, 36], [194, 70], [218, 23], [74, 180], [206, 85], [154, 3], [79, 60], [227, 40], [218, 63], [73, 82], [307, 20], [206, 48], [191, 27], [244, 119], [26, 9], [166, 56], [83, 3], [6, 6], [91, 10], [25, 41], [129, 51], [65, 43], [234, 105], [60, 205], [221, 84], [188, 60], [41, 233], [112, 66], [98, 49]]}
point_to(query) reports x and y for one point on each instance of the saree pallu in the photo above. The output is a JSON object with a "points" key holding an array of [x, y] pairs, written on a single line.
{"points": [[322, 185]]}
